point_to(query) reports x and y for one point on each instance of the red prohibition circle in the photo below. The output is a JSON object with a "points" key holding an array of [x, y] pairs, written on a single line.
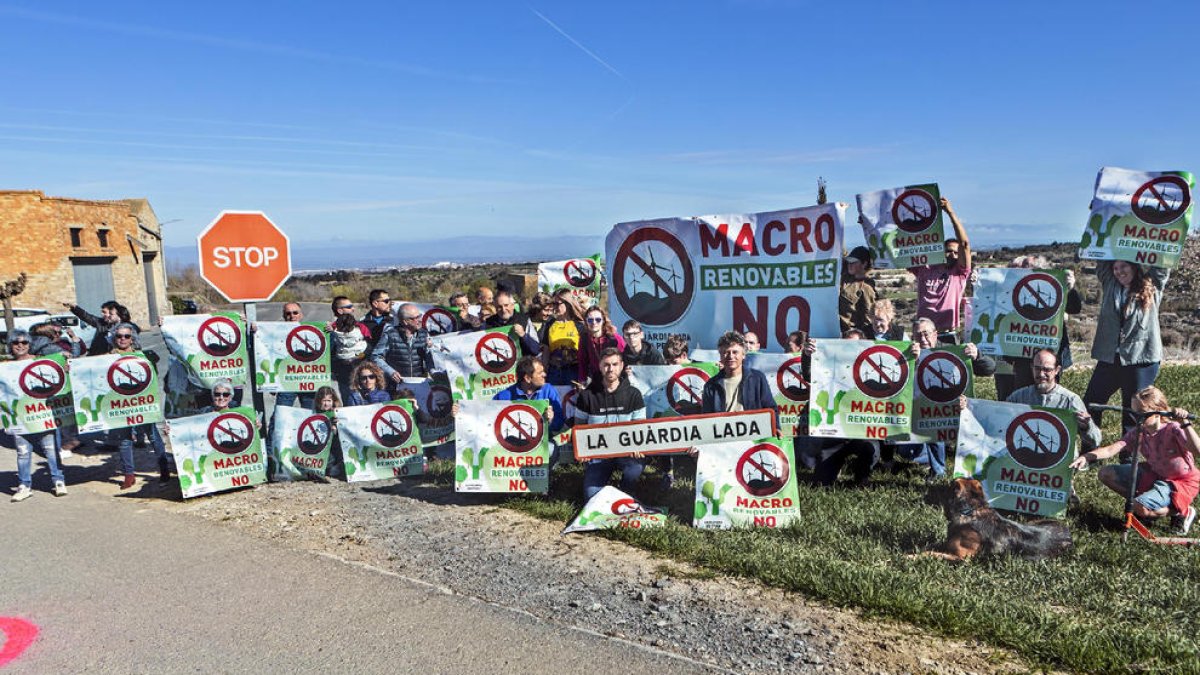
{"points": [[626, 506], [438, 321], [580, 273], [1037, 439], [231, 433], [940, 384], [313, 435], [763, 470], [662, 294], [1037, 296], [519, 428], [914, 210], [692, 400], [439, 401], [495, 352], [219, 336], [129, 375], [874, 374], [790, 380], [391, 426], [1155, 204], [305, 343], [42, 379], [568, 403]]}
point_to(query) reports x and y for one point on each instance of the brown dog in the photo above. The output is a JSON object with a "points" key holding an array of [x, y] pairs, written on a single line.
{"points": [[974, 528]]}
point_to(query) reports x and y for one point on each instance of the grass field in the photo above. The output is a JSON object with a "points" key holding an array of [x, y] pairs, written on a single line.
{"points": [[1105, 607]]}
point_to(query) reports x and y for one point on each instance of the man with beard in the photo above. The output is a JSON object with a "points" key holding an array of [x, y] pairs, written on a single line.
{"points": [[940, 288], [1048, 393]]}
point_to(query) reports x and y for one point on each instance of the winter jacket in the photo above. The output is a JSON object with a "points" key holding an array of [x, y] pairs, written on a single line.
{"points": [[403, 352], [595, 405], [1126, 334], [754, 392]]}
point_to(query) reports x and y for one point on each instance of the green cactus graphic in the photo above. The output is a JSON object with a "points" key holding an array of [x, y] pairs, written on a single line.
{"points": [[824, 413], [93, 410], [585, 519], [8, 415], [713, 496], [269, 372], [1103, 230], [466, 386]]}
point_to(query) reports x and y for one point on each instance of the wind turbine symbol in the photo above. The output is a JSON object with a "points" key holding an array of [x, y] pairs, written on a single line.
{"points": [[671, 277]]}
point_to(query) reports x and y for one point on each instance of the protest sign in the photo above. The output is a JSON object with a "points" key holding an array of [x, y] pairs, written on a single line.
{"points": [[292, 357], [789, 386], [746, 483], [580, 275], [436, 319], [669, 434], [213, 346], [478, 364], [35, 395], [861, 389], [671, 391], [501, 446], [771, 273], [1021, 454], [302, 441], [380, 441], [611, 509], [567, 394], [114, 391], [180, 397], [432, 395], [1016, 312], [1139, 216], [903, 226], [943, 374], [218, 451]]}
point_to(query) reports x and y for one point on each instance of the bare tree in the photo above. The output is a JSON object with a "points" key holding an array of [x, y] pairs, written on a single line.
{"points": [[821, 196], [8, 291]]}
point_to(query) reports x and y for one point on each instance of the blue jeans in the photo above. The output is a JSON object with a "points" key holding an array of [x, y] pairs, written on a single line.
{"points": [[596, 473], [124, 438], [48, 442], [1107, 378], [933, 454], [1157, 497]]}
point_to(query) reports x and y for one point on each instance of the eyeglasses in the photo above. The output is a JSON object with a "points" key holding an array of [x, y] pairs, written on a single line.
{"points": [[383, 300], [123, 336], [222, 394], [595, 320], [412, 318], [291, 313], [1043, 369], [19, 342], [344, 307], [633, 333]]}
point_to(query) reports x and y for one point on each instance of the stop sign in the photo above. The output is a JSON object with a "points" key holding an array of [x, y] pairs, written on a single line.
{"points": [[244, 256]]}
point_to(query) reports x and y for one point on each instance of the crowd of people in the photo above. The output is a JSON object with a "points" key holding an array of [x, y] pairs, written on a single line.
{"points": [[562, 343]]}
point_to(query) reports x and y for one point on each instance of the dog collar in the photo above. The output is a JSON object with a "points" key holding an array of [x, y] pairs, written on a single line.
{"points": [[967, 512]]}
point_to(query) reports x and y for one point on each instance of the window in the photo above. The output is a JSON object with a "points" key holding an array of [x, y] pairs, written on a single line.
{"points": [[103, 236], [76, 237]]}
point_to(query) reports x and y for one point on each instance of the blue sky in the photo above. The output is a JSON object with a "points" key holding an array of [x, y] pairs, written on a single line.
{"points": [[410, 121]]}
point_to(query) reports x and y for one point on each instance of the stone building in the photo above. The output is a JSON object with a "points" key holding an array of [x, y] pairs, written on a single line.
{"points": [[84, 252]]}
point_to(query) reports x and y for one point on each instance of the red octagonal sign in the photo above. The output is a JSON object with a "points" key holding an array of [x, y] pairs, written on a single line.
{"points": [[244, 256]]}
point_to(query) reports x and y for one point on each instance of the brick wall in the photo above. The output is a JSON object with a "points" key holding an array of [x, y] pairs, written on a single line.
{"points": [[36, 231]]}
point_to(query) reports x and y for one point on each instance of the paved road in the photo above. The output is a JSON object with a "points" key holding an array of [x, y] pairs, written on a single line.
{"points": [[116, 585]]}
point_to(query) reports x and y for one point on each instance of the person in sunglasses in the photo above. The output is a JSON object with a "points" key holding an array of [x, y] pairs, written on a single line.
{"points": [[125, 341], [19, 342], [599, 334], [112, 314], [367, 385], [349, 340]]}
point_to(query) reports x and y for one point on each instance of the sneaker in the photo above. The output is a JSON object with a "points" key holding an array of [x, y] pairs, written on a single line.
{"points": [[1182, 523], [60, 489], [64, 453], [23, 492], [129, 481]]}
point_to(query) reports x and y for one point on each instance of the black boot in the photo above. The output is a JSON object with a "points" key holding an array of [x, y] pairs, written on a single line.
{"points": [[164, 469]]}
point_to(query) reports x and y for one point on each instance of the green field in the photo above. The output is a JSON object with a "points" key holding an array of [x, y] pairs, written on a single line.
{"points": [[1105, 607]]}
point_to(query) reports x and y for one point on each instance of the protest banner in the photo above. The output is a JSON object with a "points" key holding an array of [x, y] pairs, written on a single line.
{"points": [[1016, 312], [671, 391], [759, 475], [432, 395], [212, 346], [861, 389], [580, 275], [380, 441], [218, 451], [903, 226], [180, 397], [669, 434], [771, 273], [502, 446], [436, 319], [478, 364], [943, 374], [302, 441], [291, 357], [789, 386], [1021, 454], [35, 395], [611, 509], [1139, 216], [114, 391]]}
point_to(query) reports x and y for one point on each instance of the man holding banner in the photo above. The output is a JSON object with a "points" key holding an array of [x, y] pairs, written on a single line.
{"points": [[940, 288], [736, 388], [531, 386], [610, 398]]}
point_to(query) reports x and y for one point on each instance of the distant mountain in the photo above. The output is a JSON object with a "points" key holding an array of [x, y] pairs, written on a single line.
{"points": [[368, 255]]}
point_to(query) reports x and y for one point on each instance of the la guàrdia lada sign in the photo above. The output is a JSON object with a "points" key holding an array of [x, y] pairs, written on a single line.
{"points": [[1016, 312], [771, 273], [35, 395], [861, 389], [903, 226], [114, 391], [746, 484], [1021, 454], [669, 434], [1139, 216], [218, 451], [213, 346]]}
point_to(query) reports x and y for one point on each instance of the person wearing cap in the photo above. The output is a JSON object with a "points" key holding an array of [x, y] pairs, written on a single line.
{"points": [[858, 291], [940, 288], [19, 342]]}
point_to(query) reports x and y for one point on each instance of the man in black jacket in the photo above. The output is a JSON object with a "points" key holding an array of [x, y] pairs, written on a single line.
{"points": [[736, 388], [507, 315], [638, 352]]}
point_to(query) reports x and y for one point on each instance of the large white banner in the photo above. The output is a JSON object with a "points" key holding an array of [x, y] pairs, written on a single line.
{"points": [[290, 356], [903, 226], [771, 273], [1139, 216], [478, 364], [579, 275]]}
